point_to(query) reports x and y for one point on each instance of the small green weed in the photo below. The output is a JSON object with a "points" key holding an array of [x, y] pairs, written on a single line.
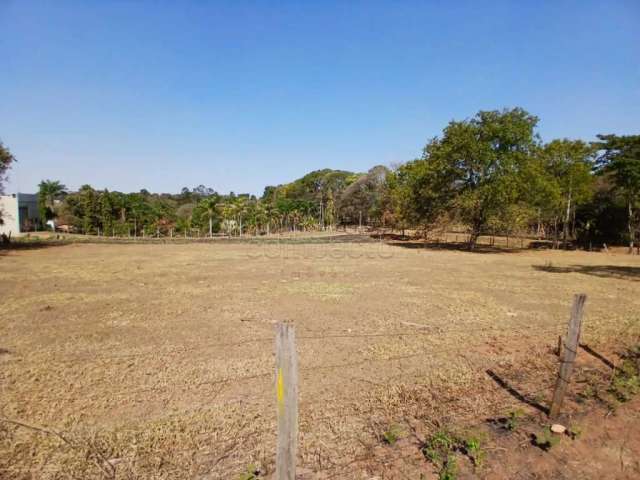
{"points": [[438, 447], [441, 447], [252, 473], [626, 380], [449, 470], [574, 431], [473, 448], [392, 435], [513, 420], [439, 450], [545, 439]]}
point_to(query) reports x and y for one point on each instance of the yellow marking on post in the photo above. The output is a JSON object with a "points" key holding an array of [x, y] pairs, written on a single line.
{"points": [[280, 389]]}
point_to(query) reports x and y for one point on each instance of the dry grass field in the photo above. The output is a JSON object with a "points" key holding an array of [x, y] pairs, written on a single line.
{"points": [[156, 361]]}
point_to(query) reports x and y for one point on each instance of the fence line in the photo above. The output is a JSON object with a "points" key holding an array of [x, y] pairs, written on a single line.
{"points": [[459, 349], [286, 428], [317, 335]]}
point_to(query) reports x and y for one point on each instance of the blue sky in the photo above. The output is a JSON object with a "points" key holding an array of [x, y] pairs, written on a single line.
{"points": [[238, 95]]}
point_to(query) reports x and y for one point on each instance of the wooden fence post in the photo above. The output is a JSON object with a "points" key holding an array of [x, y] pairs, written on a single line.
{"points": [[287, 401], [568, 354]]}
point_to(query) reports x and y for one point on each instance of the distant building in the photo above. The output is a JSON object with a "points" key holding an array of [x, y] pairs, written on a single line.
{"points": [[19, 213]]}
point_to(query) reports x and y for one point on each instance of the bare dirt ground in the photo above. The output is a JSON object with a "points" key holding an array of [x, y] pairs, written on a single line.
{"points": [[156, 361]]}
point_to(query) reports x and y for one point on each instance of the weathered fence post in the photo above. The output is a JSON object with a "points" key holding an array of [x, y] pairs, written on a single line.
{"points": [[287, 401], [568, 354]]}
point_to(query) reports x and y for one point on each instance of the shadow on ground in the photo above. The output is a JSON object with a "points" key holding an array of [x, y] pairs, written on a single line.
{"points": [[597, 355], [522, 397], [604, 271], [17, 246], [403, 242]]}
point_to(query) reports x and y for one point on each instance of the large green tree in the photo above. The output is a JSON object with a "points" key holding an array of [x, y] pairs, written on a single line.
{"points": [[567, 166], [474, 170], [620, 158]]}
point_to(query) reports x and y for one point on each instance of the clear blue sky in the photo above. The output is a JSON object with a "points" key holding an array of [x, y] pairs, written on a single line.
{"points": [[238, 95]]}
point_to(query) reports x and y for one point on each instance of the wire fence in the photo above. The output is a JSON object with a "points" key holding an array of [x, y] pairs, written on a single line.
{"points": [[228, 457]]}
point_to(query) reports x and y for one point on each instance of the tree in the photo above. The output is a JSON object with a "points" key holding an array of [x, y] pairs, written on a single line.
{"points": [[105, 212], [240, 210], [271, 215], [6, 159], [568, 165], [208, 207], [90, 209], [184, 215], [362, 199], [48, 192], [602, 220], [620, 158], [474, 170], [329, 211]]}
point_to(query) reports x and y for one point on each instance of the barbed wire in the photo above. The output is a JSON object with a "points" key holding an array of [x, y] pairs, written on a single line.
{"points": [[461, 350], [316, 335]]}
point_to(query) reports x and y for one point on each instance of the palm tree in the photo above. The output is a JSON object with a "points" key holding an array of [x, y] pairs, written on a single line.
{"points": [[226, 211], [261, 218], [270, 214], [210, 205], [240, 209], [48, 192], [308, 222], [295, 218]]}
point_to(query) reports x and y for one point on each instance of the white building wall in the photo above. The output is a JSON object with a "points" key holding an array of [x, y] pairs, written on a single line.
{"points": [[10, 219]]}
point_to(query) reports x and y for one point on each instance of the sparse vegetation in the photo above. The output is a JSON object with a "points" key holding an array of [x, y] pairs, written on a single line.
{"points": [[441, 449], [625, 383], [252, 473], [472, 445], [574, 432], [392, 434], [513, 420], [546, 439]]}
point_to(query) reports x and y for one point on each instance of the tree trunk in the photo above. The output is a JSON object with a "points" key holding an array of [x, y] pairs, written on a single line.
{"points": [[473, 239], [210, 227], [567, 218], [630, 227], [476, 230]]}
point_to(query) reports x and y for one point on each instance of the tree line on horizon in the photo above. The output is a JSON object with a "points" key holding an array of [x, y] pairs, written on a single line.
{"points": [[489, 174]]}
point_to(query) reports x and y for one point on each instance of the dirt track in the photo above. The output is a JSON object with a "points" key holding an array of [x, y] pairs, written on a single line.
{"points": [[159, 357]]}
